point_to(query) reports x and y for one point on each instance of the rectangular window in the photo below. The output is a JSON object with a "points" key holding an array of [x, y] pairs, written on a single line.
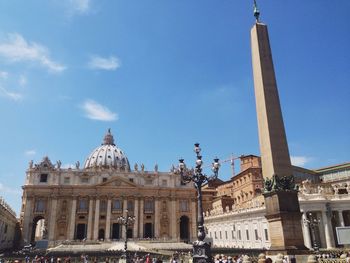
{"points": [[233, 234], [239, 235], [104, 179], [103, 206], [148, 181], [149, 206], [256, 234], [66, 180], [247, 233], [117, 205], [266, 234], [40, 206], [215, 235], [43, 178], [84, 180], [131, 180], [83, 205], [184, 207], [226, 234], [130, 205], [220, 235]]}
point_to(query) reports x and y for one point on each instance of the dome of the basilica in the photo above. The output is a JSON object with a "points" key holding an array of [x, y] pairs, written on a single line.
{"points": [[108, 155]]}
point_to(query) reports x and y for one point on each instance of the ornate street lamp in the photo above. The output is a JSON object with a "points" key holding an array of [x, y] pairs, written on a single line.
{"points": [[126, 220], [313, 222], [201, 249]]}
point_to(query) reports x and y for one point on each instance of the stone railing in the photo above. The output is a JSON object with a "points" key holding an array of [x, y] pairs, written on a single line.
{"points": [[7, 207]]}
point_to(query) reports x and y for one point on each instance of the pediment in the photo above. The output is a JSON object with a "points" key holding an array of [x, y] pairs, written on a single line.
{"points": [[118, 182]]}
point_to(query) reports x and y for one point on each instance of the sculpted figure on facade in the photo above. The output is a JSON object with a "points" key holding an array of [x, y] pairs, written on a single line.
{"points": [[30, 164], [142, 167], [77, 165], [336, 189], [136, 167], [156, 168], [59, 163], [305, 186], [320, 190]]}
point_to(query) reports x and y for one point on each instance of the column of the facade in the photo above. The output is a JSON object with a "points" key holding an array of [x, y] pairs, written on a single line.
{"points": [[52, 220], [173, 219], [71, 228], [97, 219], [341, 218], [194, 219], [125, 207], [328, 230], [136, 214], [89, 226], [156, 218], [27, 219], [108, 220], [306, 230], [141, 218]]}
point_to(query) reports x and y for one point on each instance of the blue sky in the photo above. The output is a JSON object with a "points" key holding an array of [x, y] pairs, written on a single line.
{"points": [[163, 75]]}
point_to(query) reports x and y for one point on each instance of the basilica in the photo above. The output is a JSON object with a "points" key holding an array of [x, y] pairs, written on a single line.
{"points": [[86, 203]]}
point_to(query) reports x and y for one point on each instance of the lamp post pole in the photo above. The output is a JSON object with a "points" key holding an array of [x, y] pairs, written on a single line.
{"points": [[201, 249], [126, 221], [313, 222]]}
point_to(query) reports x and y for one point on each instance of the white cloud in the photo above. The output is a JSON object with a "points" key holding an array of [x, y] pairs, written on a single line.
{"points": [[97, 62], [22, 80], [80, 7], [4, 74], [67, 166], [16, 48], [96, 111], [9, 190], [300, 160], [30, 152], [15, 96]]}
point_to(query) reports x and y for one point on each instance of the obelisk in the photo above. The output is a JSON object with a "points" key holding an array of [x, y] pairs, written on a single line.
{"points": [[281, 198]]}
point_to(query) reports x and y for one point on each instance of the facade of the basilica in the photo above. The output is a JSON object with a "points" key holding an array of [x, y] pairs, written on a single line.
{"points": [[84, 203]]}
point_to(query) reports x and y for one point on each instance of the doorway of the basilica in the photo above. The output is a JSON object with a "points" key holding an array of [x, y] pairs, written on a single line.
{"points": [[129, 233], [101, 234], [81, 231], [39, 230], [115, 231], [184, 228], [148, 233]]}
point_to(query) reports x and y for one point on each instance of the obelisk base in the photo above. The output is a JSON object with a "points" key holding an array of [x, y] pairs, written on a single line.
{"points": [[284, 218], [201, 252]]}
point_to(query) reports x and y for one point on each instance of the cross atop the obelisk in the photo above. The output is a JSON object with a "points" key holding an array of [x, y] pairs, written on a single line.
{"points": [[256, 12]]}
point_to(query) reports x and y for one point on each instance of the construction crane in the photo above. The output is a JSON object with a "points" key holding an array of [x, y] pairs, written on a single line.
{"points": [[231, 159]]}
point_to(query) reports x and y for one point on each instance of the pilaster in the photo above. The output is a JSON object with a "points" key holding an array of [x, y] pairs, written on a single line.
{"points": [[71, 228], [141, 227], [156, 218], [28, 219], [89, 226], [97, 219], [136, 214], [52, 221], [341, 218], [328, 230], [125, 207], [194, 219], [173, 219], [108, 220]]}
